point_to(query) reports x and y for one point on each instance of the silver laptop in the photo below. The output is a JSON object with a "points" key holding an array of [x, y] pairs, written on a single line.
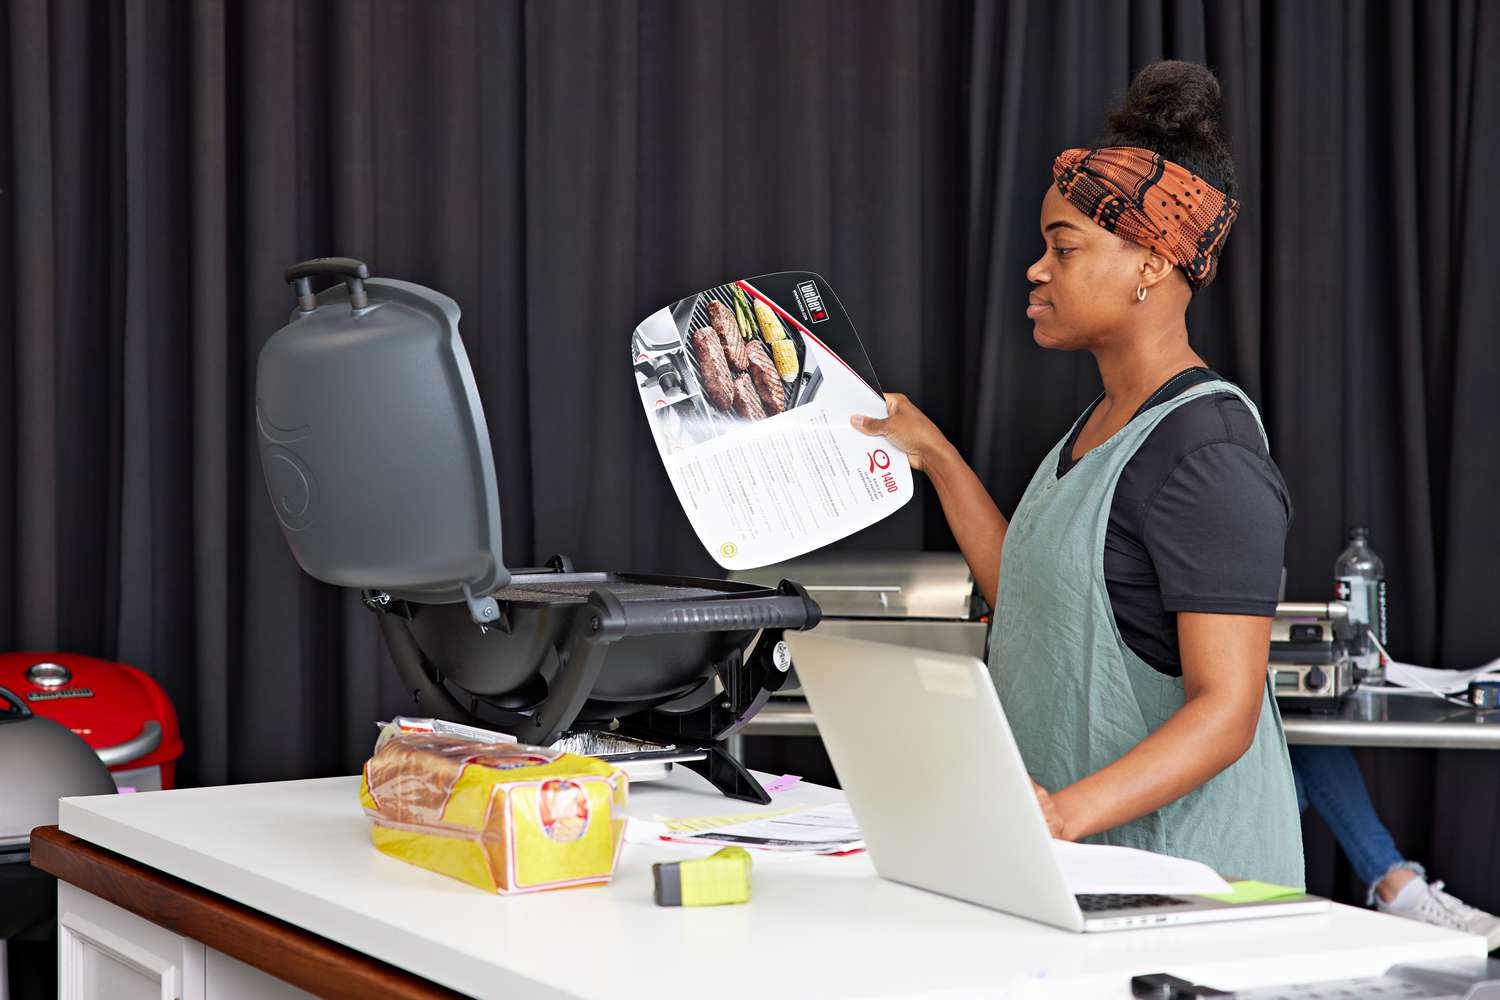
{"points": [[918, 741]]}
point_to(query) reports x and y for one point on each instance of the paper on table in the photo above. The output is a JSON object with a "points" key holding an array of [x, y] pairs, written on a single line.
{"points": [[829, 823], [823, 829], [698, 824], [1432, 679], [651, 833], [1100, 868], [644, 831]]}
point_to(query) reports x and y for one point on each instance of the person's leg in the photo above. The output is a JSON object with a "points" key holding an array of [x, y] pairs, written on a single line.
{"points": [[1332, 783], [1329, 779]]}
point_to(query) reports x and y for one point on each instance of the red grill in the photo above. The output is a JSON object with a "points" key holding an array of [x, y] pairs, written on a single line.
{"points": [[118, 710]]}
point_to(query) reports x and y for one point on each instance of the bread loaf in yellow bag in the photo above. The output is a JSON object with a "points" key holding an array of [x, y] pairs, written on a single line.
{"points": [[506, 817]]}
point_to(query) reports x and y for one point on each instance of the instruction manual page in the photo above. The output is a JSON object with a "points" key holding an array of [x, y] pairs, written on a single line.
{"points": [[749, 387]]}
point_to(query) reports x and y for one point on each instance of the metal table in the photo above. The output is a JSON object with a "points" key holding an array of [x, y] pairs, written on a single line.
{"points": [[1376, 719], [1366, 719]]}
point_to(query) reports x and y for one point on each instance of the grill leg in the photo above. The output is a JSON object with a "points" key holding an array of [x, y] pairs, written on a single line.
{"points": [[729, 776]]}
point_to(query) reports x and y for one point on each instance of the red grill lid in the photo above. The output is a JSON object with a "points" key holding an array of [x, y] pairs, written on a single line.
{"points": [[105, 703]]}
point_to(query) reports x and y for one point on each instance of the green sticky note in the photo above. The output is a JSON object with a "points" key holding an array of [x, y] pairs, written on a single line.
{"points": [[1252, 892]]}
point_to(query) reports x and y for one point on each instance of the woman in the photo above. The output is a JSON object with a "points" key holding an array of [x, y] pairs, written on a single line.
{"points": [[1135, 584]]}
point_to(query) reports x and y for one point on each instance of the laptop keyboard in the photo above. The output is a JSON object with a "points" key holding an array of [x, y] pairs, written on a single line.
{"points": [[1099, 902]]}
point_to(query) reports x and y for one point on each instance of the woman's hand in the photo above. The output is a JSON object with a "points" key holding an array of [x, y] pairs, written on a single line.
{"points": [[907, 428], [1055, 825], [1224, 683]]}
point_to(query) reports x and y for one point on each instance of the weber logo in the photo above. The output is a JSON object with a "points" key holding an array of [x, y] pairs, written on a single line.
{"points": [[54, 695], [812, 301]]}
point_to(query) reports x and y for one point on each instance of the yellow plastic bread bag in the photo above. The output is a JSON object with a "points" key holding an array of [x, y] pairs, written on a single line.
{"points": [[506, 817]]}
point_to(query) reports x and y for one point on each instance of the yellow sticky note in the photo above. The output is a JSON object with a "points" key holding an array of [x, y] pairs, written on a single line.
{"points": [[1253, 892], [700, 824]]}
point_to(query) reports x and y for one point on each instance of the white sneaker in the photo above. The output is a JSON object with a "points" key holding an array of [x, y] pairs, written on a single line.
{"points": [[1427, 902]]}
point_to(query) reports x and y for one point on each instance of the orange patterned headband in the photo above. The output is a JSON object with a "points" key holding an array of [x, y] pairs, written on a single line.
{"points": [[1143, 197]]}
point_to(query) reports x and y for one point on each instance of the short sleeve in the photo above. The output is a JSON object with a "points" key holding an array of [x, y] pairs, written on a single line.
{"points": [[1216, 531]]}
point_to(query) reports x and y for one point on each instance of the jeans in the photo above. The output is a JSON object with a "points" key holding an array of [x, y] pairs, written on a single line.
{"points": [[1329, 779]]}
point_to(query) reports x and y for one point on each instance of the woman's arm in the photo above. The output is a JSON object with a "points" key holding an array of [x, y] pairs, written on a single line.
{"points": [[1224, 676], [976, 522]]}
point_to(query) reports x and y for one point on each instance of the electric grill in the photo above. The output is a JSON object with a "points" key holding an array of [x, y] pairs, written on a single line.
{"points": [[1310, 662], [376, 455]]}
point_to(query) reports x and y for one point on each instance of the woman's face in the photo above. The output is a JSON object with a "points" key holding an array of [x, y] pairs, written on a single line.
{"points": [[1085, 280]]}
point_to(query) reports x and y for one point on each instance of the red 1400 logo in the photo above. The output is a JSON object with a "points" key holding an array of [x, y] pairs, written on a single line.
{"points": [[880, 460]]}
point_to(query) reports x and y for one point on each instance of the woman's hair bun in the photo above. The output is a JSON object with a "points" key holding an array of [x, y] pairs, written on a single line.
{"points": [[1172, 108], [1171, 100]]}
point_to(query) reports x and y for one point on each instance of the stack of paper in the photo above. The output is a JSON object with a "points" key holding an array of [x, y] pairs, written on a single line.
{"points": [[831, 829], [1098, 868], [828, 829], [687, 825], [1437, 681]]}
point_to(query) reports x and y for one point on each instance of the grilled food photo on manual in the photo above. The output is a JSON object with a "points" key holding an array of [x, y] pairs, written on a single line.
{"points": [[748, 387]]}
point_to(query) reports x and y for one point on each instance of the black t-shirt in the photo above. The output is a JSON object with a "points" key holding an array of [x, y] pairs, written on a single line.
{"points": [[1198, 521]]}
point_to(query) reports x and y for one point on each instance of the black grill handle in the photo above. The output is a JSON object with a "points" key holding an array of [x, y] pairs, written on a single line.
{"points": [[791, 608], [354, 272], [22, 711]]}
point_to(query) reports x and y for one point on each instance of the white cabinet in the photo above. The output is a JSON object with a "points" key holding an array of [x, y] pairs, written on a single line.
{"points": [[107, 953], [230, 979]]}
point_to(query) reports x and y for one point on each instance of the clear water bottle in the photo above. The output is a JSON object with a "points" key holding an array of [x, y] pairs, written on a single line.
{"points": [[1359, 581]]}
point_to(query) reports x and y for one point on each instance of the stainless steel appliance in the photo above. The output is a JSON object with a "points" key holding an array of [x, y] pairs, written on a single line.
{"points": [[1310, 663], [925, 600]]}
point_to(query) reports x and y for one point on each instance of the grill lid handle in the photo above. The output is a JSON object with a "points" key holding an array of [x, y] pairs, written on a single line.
{"points": [[354, 272], [18, 709], [148, 740]]}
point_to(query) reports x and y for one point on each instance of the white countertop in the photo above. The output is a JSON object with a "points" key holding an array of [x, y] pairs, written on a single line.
{"points": [[815, 927]]}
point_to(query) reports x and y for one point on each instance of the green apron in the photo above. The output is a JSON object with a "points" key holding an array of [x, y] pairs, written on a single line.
{"points": [[1078, 698]]}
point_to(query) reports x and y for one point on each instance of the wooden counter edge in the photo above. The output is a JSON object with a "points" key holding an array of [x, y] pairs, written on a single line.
{"points": [[305, 960]]}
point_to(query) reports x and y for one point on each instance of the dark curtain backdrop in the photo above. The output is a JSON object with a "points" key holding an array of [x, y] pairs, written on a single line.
{"points": [[563, 168]]}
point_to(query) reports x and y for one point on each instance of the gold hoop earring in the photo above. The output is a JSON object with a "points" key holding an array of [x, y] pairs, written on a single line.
{"points": [[1140, 293]]}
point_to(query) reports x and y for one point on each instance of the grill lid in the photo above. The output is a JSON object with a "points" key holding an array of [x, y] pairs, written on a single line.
{"points": [[880, 584], [40, 761], [373, 441]]}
